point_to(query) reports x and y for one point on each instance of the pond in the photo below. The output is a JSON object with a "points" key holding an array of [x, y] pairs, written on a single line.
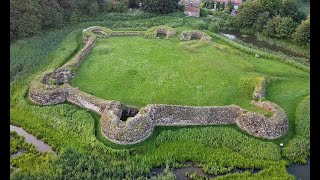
{"points": [[180, 173], [39, 145], [233, 35], [300, 171]]}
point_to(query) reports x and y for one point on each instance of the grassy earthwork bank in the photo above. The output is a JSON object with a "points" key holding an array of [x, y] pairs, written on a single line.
{"points": [[140, 71]]}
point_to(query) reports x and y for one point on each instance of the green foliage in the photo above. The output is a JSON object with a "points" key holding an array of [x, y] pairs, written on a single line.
{"points": [[302, 32], [298, 148], [26, 18], [218, 5], [199, 25], [17, 143], [249, 11], [160, 6], [230, 5], [261, 53], [291, 9], [204, 12], [52, 14], [119, 6], [272, 6], [279, 27], [30, 161], [261, 21], [223, 5]]}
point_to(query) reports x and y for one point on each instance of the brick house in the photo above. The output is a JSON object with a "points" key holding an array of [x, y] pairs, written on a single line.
{"points": [[191, 7]]}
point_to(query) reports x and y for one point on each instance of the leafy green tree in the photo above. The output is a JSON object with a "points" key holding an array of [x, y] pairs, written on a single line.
{"points": [[279, 27], [120, 6], [272, 6], [302, 32], [160, 6], [52, 14], [248, 13], [261, 21], [230, 5], [223, 5], [291, 8], [25, 17], [218, 5]]}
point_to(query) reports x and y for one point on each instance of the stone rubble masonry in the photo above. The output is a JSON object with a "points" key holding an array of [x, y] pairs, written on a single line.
{"points": [[188, 35], [260, 89], [154, 31], [124, 124], [261, 126]]}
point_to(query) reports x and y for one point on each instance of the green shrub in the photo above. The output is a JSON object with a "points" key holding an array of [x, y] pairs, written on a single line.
{"points": [[302, 32], [199, 24], [160, 6], [279, 27]]}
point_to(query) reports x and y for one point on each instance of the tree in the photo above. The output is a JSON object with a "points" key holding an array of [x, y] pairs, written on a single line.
{"points": [[302, 32], [230, 5], [52, 14], [272, 6], [291, 8], [223, 5], [218, 5], [279, 27], [261, 21], [248, 13], [25, 18], [160, 6]]}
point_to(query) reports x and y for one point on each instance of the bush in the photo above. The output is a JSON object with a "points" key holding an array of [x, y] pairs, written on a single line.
{"points": [[261, 21], [302, 32], [218, 5], [279, 27], [204, 12], [272, 6], [199, 24], [214, 26], [291, 9], [160, 6], [248, 13], [223, 5]]}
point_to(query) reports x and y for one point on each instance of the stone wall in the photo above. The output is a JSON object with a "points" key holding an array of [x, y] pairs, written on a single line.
{"points": [[153, 32], [194, 34], [260, 126], [260, 89], [123, 124]]}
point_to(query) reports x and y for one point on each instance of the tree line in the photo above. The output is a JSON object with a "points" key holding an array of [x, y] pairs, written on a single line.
{"points": [[282, 19], [28, 18]]}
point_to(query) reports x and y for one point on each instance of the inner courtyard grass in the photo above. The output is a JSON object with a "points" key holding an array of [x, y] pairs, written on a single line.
{"points": [[139, 71]]}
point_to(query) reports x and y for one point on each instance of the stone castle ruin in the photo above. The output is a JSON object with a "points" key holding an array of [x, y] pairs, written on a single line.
{"points": [[124, 124]]}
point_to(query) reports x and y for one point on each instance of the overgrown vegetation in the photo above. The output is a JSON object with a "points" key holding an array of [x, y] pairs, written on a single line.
{"points": [[275, 19], [72, 131]]}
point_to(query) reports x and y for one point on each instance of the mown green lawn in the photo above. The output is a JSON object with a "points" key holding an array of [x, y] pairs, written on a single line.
{"points": [[140, 71]]}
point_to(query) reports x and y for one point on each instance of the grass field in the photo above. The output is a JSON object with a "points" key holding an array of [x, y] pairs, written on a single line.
{"points": [[84, 154], [139, 71]]}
